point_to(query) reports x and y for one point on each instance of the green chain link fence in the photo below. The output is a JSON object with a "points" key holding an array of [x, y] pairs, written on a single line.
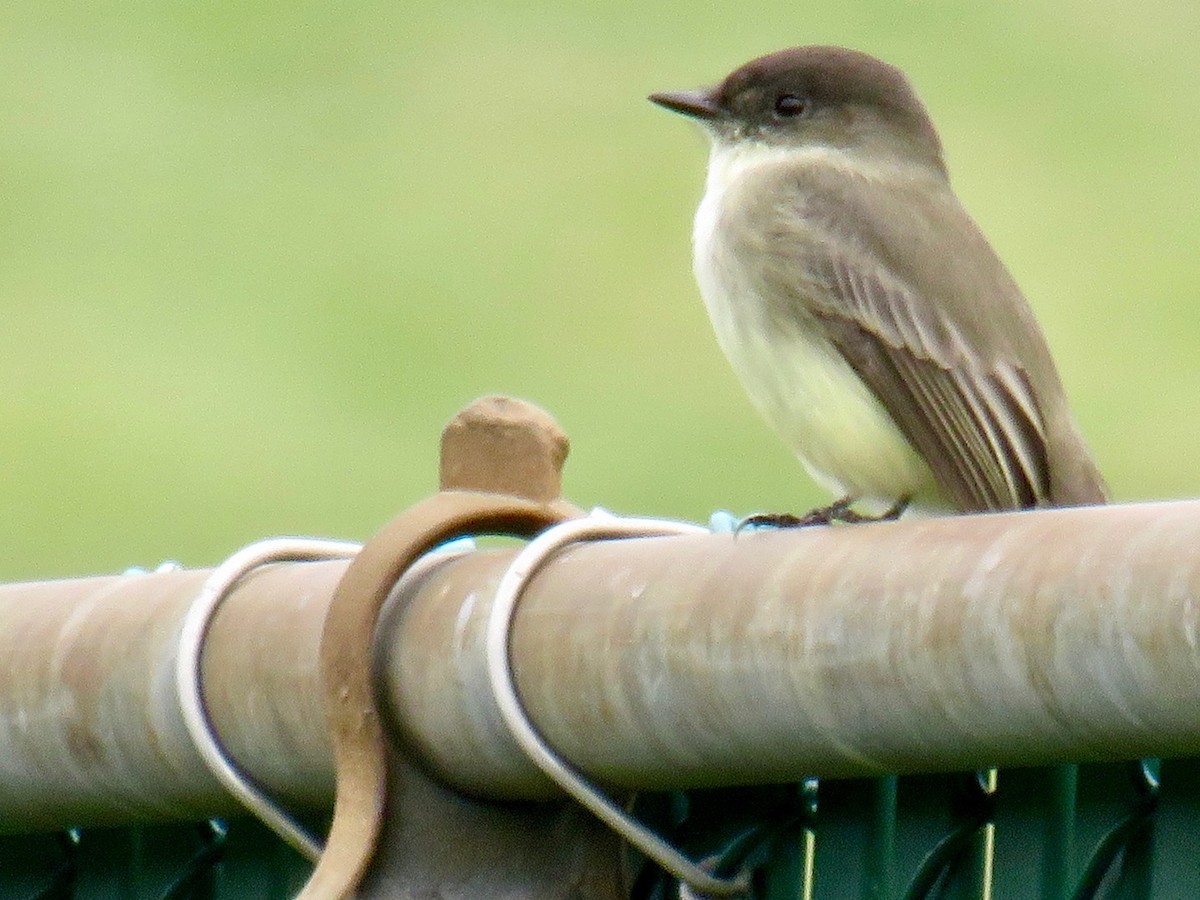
{"points": [[1119, 830]]}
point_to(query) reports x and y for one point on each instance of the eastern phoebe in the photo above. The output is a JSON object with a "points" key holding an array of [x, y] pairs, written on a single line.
{"points": [[868, 318]]}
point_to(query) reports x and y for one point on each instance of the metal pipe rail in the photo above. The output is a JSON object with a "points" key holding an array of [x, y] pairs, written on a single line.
{"points": [[945, 644]]}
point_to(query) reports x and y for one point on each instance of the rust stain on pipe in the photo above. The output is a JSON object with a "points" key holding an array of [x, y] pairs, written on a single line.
{"points": [[89, 728]]}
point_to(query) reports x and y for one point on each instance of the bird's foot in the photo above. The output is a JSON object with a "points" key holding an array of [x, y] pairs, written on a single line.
{"points": [[849, 516], [840, 511]]}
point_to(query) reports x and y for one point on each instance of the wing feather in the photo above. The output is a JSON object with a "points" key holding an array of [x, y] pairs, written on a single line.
{"points": [[975, 421]]}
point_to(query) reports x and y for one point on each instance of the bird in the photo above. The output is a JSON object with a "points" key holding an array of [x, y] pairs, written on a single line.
{"points": [[868, 318]]}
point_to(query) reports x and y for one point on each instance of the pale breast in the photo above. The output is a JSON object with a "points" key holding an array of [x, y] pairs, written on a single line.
{"points": [[793, 375]]}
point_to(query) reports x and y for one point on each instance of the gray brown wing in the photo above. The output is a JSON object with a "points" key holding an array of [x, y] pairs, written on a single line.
{"points": [[975, 421]]}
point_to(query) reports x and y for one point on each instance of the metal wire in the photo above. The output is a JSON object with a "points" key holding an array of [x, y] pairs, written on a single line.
{"points": [[189, 689], [1122, 835], [958, 843], [200, 869], [599, 525]]}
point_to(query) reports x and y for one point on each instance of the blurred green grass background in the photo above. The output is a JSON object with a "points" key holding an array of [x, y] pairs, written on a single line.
{"points": [[252, 256]]}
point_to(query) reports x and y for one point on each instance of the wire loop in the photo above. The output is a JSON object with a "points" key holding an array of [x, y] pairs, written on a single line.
{"points": [[598, 525], [189, 689]]}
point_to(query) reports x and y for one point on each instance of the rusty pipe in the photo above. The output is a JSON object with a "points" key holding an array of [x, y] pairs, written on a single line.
{"points": [[928, 645], [90, 729], [937, 645]]}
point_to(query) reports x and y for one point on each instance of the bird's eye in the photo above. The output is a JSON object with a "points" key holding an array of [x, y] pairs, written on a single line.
{"points": [[789, 106]]}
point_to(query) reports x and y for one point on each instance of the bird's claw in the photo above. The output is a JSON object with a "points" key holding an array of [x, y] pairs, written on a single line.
{"points": [[840, 511]]}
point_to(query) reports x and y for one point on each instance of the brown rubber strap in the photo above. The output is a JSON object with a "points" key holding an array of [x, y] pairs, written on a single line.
{"points": [[345, 660]]}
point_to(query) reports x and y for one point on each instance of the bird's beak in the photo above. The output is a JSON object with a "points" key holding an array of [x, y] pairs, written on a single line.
{"points": [[697, 104]]}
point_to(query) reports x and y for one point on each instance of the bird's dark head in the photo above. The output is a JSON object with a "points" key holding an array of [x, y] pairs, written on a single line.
{"points": [[814, 96]]}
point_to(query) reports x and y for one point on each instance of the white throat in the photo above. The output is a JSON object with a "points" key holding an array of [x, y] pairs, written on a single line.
{"points": [[730, 160]]}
